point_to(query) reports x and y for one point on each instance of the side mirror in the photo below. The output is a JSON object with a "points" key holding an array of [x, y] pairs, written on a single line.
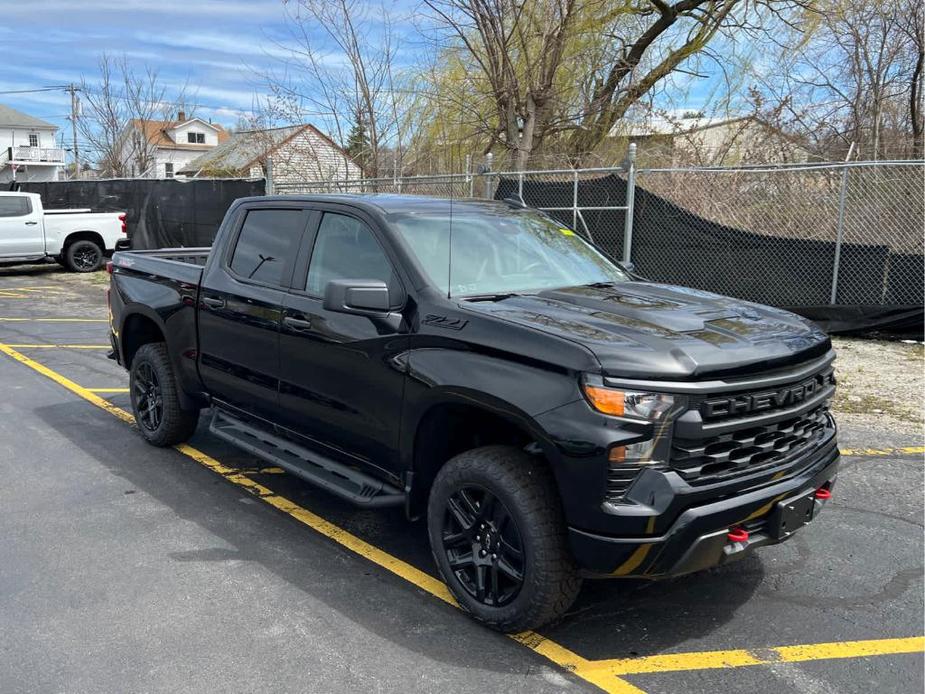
{"points": [[363, 297]]}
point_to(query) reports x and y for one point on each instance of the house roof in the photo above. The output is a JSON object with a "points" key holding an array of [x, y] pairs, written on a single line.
{"points": [[155, 132], [247, 147], [10, 117]]}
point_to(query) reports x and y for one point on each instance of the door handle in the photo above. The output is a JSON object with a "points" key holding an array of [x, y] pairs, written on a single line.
{"points": [[297, 324], [213, 302], [31, 224]]}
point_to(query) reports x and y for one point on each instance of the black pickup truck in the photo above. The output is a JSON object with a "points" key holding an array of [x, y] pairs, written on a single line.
{"points": [[549, 413]]}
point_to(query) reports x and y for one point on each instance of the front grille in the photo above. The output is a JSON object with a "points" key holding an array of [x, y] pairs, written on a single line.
{"points": [[779, 447], [718, 437]]}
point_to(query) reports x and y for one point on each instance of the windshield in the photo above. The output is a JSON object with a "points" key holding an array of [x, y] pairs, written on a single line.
{"points": [[502, 251]]}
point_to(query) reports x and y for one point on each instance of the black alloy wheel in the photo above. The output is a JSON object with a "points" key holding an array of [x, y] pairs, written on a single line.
{"points": [[483, 546], [149, 402], [87, 257]]}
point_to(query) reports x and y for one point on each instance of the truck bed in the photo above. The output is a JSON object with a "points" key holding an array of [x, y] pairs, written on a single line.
{"points": [[180, 264]]}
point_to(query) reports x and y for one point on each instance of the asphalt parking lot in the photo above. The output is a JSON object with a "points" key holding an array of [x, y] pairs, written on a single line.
{"points": [[126, 568]]}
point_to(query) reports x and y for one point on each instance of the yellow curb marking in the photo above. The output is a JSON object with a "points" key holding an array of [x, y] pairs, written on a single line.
{"points": [[53, 320], [47, 346], [708, 660], [907, 450]]}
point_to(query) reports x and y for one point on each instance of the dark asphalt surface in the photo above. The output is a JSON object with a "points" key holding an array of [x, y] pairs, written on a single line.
{"points": [[127, 568]]}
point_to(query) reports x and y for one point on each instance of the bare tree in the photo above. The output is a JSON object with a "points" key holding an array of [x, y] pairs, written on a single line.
{"points": [[562, 73], [343, 79], [117, 107], [519, 49], [853, 75]]}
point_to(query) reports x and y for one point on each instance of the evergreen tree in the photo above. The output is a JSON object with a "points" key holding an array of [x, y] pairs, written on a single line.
{"points": [[358, 146]]}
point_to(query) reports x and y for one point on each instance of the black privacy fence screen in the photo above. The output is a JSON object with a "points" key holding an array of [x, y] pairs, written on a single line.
{"points": [[160, 213], [839, 244]]}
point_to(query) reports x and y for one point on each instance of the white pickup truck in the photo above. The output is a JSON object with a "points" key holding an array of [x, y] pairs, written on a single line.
{"points": [[78, 239]]}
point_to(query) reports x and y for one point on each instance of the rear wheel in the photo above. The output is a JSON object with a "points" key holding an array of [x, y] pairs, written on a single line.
{"points": [[155, 398], [83, 256], [498, 536]]}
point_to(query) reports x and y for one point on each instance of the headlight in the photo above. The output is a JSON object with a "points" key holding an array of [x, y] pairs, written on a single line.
{"points": [[658, 410], [649, 407]]}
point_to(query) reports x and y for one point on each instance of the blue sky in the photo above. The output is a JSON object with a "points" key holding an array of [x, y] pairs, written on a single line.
{"points": [[219, 46]]}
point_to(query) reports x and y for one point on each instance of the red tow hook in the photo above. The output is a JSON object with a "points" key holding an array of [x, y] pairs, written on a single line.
{"points": [[823, 494], [737, 535]]}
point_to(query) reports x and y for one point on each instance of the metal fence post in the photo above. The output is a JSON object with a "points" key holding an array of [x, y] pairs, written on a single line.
{"points": [[630, 199], [575, 200], [839, 233], [489, 157], [520, 186], [269, 188]]}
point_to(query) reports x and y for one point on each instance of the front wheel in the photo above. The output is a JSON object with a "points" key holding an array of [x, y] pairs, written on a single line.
{"points": [[499, 538], [83, 256], [155, 398]]}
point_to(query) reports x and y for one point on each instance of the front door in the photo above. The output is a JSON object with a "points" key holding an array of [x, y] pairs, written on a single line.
{"points": [[241, 307], [21, 234], [339, 383]]}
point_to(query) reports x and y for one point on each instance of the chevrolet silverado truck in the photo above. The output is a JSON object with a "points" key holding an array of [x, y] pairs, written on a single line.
{"points": [[551, 415], [77, 239]]}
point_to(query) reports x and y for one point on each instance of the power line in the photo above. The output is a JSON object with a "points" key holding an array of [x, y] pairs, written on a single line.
{"points": [[34, 91]]}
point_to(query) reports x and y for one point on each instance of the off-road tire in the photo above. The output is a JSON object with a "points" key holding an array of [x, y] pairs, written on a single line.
{"points": [[83, 256], [175, 424], [526, 488]]}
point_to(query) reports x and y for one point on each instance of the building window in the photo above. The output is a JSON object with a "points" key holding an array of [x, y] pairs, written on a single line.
{"points": [[196, 138], [168, 170], [33, 140]]}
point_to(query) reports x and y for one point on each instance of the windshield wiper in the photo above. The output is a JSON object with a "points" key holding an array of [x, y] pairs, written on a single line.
{"points": [[490, 297], [600, 285]]}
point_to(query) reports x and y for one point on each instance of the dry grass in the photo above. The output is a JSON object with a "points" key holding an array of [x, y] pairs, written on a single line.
{"points": [[880, 383]]}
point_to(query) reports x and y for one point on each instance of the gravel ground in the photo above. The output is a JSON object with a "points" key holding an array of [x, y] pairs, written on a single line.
{"points": [[880, 383]]}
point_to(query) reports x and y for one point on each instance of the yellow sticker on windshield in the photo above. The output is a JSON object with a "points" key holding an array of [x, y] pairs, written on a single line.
{"points": [[567, 232]]}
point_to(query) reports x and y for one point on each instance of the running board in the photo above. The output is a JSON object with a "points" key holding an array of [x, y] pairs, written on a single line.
{"points": [[335, 477]]}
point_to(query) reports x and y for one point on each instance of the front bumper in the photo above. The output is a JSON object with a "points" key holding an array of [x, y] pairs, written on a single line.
{"points": [[697, 538]]}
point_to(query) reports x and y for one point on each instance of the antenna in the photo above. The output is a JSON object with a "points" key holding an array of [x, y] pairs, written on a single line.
{"points": [[449, 255]]}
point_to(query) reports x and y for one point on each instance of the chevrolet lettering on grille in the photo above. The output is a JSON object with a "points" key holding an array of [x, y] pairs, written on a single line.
{"points": [[746, 403]]}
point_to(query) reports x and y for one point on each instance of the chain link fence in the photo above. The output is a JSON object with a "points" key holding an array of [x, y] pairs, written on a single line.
{"points": [[791, 236]]}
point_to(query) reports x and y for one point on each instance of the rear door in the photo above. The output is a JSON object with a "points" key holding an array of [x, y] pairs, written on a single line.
{"points": [[241, 307], [340, 384], [21, 233]]}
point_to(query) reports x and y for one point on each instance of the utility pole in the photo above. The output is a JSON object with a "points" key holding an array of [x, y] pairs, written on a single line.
{"points": [[73, 91]]}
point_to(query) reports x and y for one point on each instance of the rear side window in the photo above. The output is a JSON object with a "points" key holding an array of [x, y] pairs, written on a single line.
{"points": [[267, 244], [14, 206], [345, 248]]}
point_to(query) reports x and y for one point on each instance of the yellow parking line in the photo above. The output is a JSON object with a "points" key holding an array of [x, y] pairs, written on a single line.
{"points": [[48, 346], [53, 320], [858, 452], [708, 660], [103, 390], [539, 644]]}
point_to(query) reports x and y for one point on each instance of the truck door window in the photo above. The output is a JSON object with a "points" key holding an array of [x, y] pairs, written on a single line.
{"points": [[345, 248], [266, 245], [14, 206]]}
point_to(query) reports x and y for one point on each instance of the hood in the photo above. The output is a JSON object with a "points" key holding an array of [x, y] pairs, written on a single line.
{"points": [[647, 330]]}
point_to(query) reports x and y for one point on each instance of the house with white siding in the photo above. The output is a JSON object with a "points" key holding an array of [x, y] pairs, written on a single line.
{"points": [[27, 148], [161, 148], [299, 153]]}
